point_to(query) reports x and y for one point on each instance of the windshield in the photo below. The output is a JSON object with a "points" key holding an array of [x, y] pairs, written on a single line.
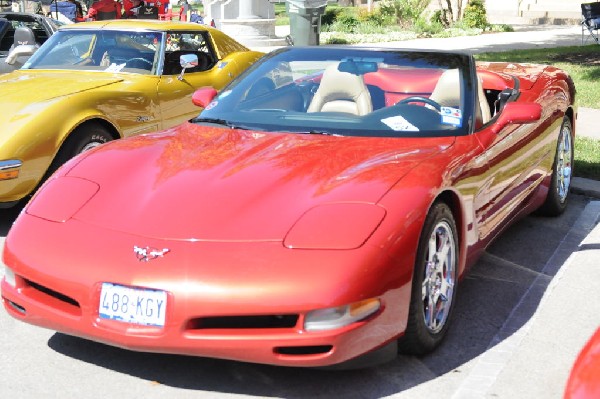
{"points": [[347, 91], [104, 50]]}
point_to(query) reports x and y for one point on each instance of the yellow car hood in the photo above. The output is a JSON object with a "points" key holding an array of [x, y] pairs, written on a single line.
{"points": [[25, 89]]}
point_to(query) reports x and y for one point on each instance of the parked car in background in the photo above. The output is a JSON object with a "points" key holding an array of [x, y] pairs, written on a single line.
{"points": [[19, 28], [320, 211], [98, 81]]}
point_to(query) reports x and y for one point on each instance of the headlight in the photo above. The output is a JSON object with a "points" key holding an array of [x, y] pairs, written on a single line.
{"points": [[331, 318], [61, 198], [335, 226]]}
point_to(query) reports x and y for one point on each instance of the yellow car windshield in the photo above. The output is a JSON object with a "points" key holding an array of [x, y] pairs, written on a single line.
{"points": [[105, 50]]}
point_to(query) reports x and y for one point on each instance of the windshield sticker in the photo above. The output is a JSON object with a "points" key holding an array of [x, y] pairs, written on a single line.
{"points": [[211, 105], [115, 68], [398, 123], [451, 116]]}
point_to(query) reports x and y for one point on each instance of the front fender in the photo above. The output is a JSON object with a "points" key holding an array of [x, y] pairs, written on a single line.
{"points": [[34, 137]]}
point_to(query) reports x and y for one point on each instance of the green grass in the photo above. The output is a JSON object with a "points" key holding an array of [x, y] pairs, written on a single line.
{"points": [[280, 21], [587, 158]]}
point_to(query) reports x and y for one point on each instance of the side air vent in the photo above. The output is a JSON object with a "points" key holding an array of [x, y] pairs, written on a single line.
{"points": [[48, 297], [303, 350], [243, 322]]}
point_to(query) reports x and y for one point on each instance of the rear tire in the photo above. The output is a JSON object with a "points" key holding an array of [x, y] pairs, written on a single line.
{"points": [[562, 172], [434, 283]]}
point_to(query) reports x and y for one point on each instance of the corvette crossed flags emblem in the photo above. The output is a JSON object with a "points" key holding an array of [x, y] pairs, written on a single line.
{"points": [[147, 254]]}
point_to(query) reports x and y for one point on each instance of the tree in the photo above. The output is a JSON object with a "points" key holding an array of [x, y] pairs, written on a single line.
{"points": [[448, 15]]}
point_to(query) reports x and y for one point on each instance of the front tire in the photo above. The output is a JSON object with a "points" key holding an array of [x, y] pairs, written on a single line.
{"points": [[562, 171], [82, 139], [434, 282]]}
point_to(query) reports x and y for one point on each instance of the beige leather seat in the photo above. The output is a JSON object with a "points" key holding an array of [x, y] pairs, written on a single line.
{"points": [[341, 92], [447, 89], [447, 94]]}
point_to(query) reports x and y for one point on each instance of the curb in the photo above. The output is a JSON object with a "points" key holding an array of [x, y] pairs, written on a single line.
{"points": [[587, 187]]}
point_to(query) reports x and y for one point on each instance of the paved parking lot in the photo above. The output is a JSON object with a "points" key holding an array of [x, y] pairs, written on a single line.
{"points": [[523, 312]]}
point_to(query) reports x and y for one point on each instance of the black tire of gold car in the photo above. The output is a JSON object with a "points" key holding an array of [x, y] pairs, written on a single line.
{"points": [[82, 139], [556, 203], [419, 338]]}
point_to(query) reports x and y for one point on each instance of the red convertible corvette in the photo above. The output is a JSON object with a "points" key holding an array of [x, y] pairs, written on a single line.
{"points": [[319, 211]]}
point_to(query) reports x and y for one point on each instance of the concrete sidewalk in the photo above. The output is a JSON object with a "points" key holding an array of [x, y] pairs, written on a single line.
{"points": [[532, 355], [523, 37]]}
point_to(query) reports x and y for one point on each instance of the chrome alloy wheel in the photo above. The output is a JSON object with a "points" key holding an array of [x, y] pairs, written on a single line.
{"points": [[440, 276], [564, 159]]}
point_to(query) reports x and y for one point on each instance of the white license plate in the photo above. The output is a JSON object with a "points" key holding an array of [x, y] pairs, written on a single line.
{"points": [[133, 305]]}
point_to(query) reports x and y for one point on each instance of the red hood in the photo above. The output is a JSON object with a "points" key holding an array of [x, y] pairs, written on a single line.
{"points": [[220, 184]]}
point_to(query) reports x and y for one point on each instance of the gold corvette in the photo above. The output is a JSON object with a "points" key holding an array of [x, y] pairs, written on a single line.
{"points": [[98, 81]]}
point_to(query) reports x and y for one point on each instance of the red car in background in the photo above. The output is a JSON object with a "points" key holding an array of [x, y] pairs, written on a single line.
{"points": [[584, 380], [320, 211]]}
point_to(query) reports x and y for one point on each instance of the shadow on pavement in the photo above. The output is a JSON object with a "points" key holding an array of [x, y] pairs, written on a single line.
{"points": [[514, 272]]}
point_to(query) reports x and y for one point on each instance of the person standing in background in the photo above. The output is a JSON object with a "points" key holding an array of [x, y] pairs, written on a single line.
{"points": [[184, 10], [104, 9], [164, 6]]}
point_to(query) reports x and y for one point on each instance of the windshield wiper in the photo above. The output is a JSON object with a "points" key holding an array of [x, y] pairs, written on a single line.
{"points": [[321, 132], [217, 121]]}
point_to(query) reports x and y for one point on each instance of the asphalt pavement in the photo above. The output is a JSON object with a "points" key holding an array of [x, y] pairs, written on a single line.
{"points": [[533, 352]]}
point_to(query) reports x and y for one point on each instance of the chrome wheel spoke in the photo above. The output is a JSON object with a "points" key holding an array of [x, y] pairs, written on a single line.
{"points": [[432, 248], [425, 290], [445, 251], [430, 312]]}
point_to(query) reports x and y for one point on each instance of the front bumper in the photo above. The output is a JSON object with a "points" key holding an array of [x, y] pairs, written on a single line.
{"points": [[286, 346], [67, 300]]}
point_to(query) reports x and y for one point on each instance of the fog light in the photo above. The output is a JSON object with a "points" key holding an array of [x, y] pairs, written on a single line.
{"points": [[9, 276], [331, 318]]}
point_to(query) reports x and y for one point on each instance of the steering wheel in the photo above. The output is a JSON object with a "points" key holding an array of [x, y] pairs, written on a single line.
{"points": [[419, 99], [138, 62]]}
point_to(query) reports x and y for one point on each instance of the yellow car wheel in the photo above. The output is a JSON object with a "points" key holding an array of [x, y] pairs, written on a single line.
{"points": [[82, 139]]}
